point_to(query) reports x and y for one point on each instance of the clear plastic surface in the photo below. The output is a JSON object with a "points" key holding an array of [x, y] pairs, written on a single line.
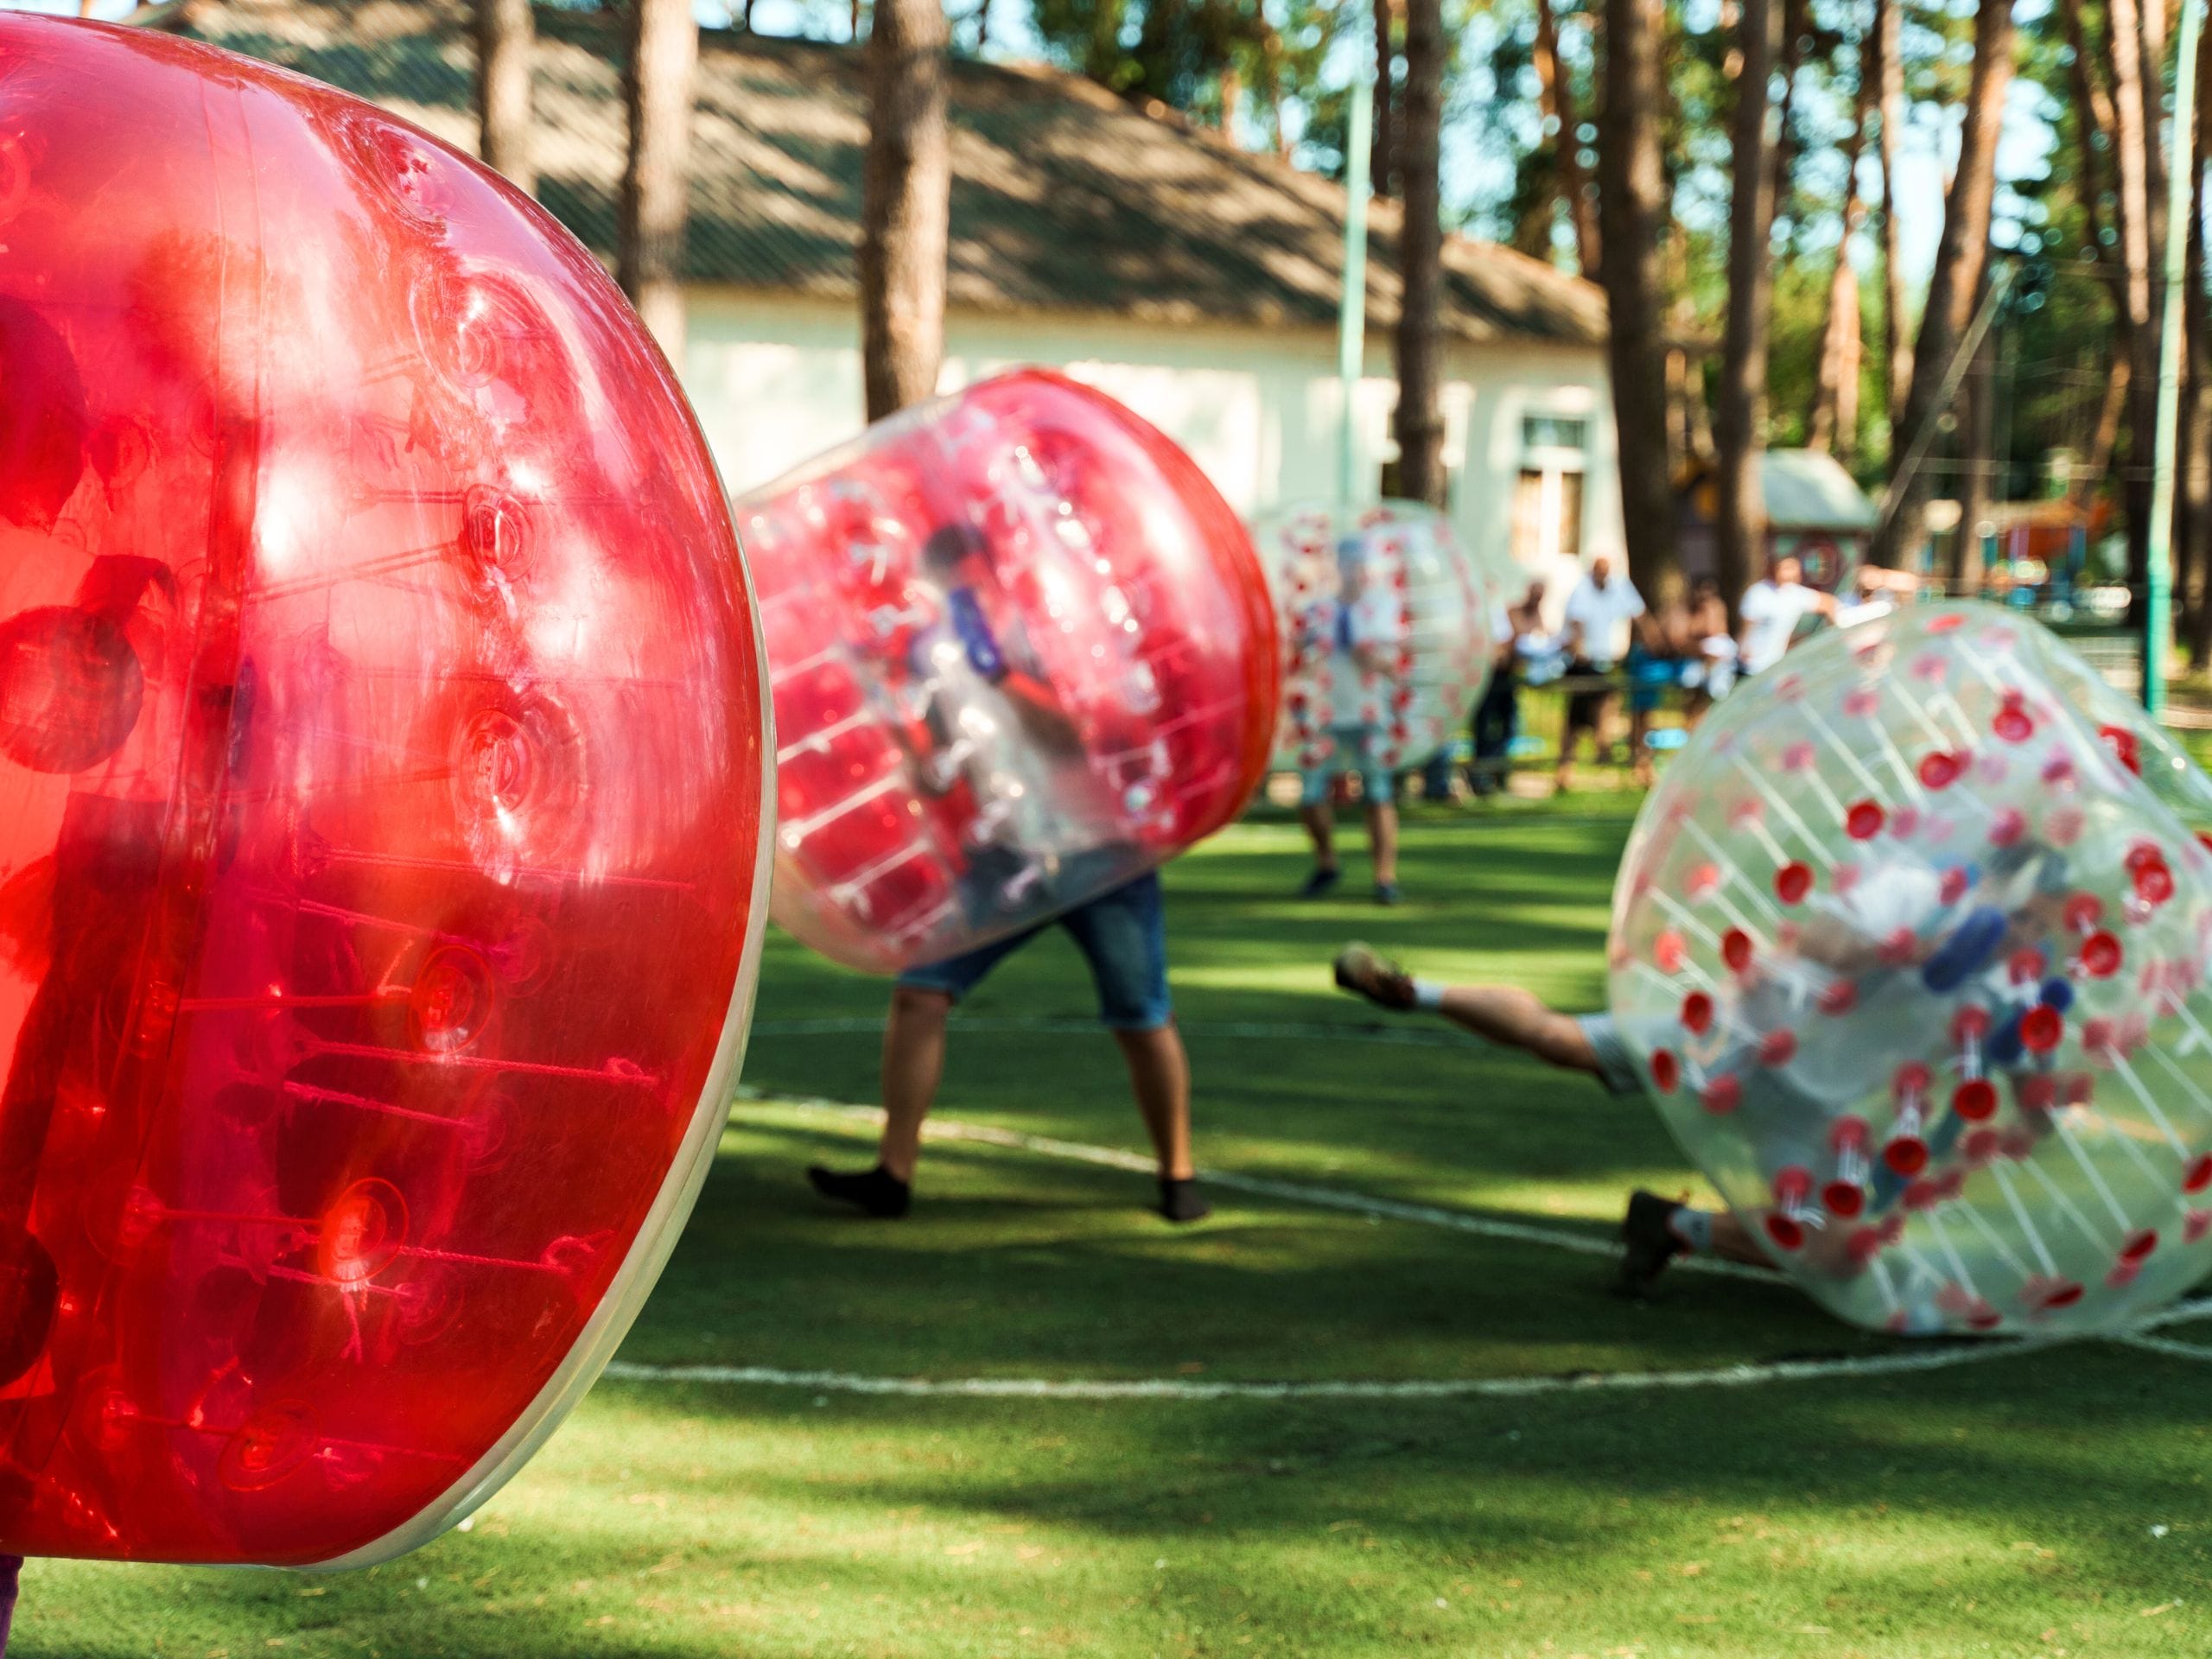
{"points": [[1912, 954], [381, 777], [1389, 627], [1021, 651]]}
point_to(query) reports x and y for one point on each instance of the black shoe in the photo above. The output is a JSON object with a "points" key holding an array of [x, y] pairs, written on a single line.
{"points": [[1386, 894], [1320, 883], [1647, 1244], [1179, 1200], [876, 1190], [1367, 972]]}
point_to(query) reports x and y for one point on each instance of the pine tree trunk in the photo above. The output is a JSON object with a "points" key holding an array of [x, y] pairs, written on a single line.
{"points": [[1556, 90], [2194, 544], [1960, 257], [1889, 80], [1977, 419], [2136, 208], [656, 183], [1834, 421], [1739, 415], [1634, 213], [906, 206], [506, 34], [1419, 420], [1383, 160]]}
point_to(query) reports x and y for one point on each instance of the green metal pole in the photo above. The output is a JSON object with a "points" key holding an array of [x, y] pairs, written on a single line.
{"points": [[2181, 203], [1351, 306]]}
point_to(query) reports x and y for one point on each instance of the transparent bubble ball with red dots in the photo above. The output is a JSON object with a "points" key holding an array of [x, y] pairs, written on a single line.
{"points": [[1390, 625], [1911, 945]]}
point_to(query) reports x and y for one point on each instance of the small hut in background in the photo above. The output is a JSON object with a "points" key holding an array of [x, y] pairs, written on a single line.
{"points": [[1814, 509]]}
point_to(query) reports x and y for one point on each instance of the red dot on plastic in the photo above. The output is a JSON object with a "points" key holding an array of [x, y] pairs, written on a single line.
{"points": [[2101, 956], [1670, 952], [1697, 1013], [1911, 1079], [2123, 747], [2140, 1245], [1722, 1096], [1982, 1145], [1792, 882], [2026, 966], [1940, 769], [2041, 1028], [2007, 827], [1953, 886], [1787, 1234], [1970, 1023], [2083, 911], [2198, 1175], [2154, 884], [2065, 1295], [1666, 1070], [1864, 821], [1906, 1155], [1839, 997], [2013, 723], [1844, 1199], [1778, 1046], [1735, 950], [1974, 1100]]}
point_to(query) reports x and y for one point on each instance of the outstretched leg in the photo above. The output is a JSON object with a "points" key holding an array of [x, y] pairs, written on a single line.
{"points": [[1498, 1014]]}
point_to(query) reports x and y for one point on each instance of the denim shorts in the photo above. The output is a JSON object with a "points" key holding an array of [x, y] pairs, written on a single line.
{"points": [[1376, 784], [1121, 934]]}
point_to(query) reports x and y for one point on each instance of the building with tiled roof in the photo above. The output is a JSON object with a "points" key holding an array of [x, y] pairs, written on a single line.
{"points": [[1195, 281]]}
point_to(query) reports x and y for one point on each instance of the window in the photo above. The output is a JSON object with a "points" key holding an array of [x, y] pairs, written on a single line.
{"points": [[1554, 432], [1547, 516]]}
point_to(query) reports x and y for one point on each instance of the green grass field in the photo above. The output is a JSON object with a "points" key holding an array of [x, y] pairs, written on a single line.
{"points": [[2037, 1502]]}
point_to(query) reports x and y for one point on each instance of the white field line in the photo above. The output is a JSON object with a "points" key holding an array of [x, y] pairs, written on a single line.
{"points": [[1191, 1388], [2167, 1346], [1258, 1030], [1319, 1198]]}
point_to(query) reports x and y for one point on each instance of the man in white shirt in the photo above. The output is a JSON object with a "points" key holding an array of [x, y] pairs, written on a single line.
{"points": [[1773, 607], [1599, 614]]}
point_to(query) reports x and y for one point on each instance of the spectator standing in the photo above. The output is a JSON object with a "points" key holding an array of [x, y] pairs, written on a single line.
{"points": [[1599, 613]]}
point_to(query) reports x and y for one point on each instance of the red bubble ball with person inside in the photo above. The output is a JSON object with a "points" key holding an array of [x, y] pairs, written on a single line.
{"points": [[1021, 651], [381, 813]]}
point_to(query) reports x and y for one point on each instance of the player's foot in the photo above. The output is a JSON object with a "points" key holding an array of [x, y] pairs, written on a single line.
{"points": [[1321, 883], [1647, 1242], [876, 1190], [1386, 894], [1367, 972], [1179, 1200]]}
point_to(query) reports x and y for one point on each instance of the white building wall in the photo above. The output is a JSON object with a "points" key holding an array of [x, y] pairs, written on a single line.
{"points": [[776, 380]]}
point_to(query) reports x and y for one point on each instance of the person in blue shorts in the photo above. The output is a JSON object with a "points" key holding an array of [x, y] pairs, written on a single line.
{"points": [[1377, 789], [1123, 936]]}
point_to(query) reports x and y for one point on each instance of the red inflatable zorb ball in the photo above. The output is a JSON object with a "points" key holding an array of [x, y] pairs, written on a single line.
{"points": [[1021, 651], [380, 813]]}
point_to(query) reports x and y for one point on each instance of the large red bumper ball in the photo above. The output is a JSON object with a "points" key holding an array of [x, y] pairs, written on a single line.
{"points": [[381, 810], [1021, 651]]}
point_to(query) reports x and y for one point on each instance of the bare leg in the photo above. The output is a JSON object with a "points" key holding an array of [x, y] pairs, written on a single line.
{"points": [[1519, 1019], [1160, 1078], [1639, 754], [914, 1061], [1322, 830], [1732, 1241], [1383, 838], [1565, 780]]}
